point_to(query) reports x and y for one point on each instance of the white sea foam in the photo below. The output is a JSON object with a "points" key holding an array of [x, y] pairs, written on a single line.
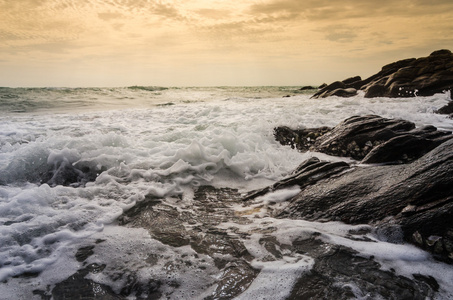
{"points": [[135, 148]]}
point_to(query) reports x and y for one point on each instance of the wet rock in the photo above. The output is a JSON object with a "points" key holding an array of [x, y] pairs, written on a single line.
{"points": [[376, 90], [446, 110], [352, 80], [326, 91], [301, 139], [309, 173], [307, 87], [411, 77], [416, 197], [164, 223], [78, 287], [370, 138], [197, 228], [339, 273], [68, 174], [236, 278], [84, 252]]}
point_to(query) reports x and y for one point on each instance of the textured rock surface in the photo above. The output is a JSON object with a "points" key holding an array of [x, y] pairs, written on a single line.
{"points": [[424, 76], [338, 272], [371, 138], [447, 109], [416, 197]]}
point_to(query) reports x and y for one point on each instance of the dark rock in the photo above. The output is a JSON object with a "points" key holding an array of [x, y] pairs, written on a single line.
{"points": [[164, 223], [322, 93], [376, 90], [212, 207], [84, 252], [307, 87], [310, 172], [341, 264], [447, 109], [78, 287], [322, 86], [411, 77], [371, 138], [349, 92], [68, 174], [352, 80], [416, 197], [301, 139], [236, 278], [402, 148]]}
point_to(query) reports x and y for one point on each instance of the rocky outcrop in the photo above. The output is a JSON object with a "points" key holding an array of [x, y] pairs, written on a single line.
{"points": [[411, 201], [411, 77], [371, 139], [446, 110], [307, 87]]}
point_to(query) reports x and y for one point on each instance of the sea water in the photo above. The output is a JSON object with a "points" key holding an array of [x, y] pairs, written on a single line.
{"points": [[165, 142]]}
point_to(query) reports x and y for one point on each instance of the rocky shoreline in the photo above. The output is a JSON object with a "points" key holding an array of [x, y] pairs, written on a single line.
{"points": [[407, 181], [424, 76], [404, 198], [399, 187]]}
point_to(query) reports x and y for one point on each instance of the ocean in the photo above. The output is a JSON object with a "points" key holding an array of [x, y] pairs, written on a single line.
{"points": [[74, 161]]}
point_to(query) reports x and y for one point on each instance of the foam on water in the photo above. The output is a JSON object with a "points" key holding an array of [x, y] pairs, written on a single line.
{"points": [[213, 136]]}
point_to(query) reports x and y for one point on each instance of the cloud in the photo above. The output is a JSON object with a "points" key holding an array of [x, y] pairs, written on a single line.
{"points": [[107, 16], [212, 13], [323, 10]]}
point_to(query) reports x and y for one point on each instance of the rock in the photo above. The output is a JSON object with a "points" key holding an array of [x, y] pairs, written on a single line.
{"points": [[68, 174], [352, 80], [235, 279], [411, 77], [322, 86], [301, 139], [416, 197], [349, 92], [169, 225], [341, 264], [307, 87], [83, 253], [325, 91], [370, 138], [78, 287], [447, 109], [309, 173], [376, 90]]}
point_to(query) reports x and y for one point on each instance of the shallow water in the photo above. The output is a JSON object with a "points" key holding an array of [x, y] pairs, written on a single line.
{"points": [[135, 144]]}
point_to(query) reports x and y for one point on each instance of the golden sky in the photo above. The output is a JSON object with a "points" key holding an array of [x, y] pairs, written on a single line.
{"points": [[212, 42]]}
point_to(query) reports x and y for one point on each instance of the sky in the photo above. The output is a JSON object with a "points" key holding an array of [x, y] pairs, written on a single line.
{"points": [[103, 43]]}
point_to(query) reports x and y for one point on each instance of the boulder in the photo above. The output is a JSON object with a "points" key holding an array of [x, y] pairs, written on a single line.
{"points": [[371, 139], [307, 87], [447, 109], [409, 201], [352, 80], [411, 77], [415, 198]]}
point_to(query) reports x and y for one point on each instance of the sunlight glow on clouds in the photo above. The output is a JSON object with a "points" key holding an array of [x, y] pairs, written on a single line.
{"points": [[217, 42]]}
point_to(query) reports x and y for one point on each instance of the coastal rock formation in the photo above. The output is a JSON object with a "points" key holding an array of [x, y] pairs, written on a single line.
{"points": [[411, 201], [446, 110], [411, 77], [371, 139], [332, 263]]}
